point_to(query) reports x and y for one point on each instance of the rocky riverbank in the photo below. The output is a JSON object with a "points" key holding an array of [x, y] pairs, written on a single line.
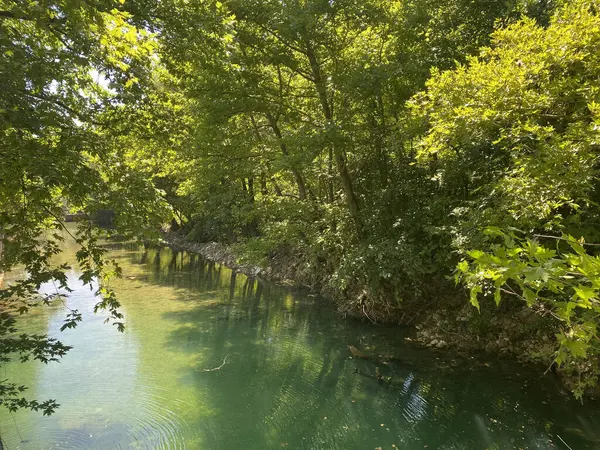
{"points": [[213, 251], [515, 335], [523, 336], [279, 271]]}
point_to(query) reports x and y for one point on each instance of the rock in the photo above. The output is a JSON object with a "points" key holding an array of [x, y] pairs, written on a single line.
{"points": [[547, 349], [433, 343], [441, 344], [490, 347], [503, 344]]}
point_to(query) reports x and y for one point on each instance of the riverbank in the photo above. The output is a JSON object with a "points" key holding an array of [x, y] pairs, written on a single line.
{"points": [[516, 333], [213, 251]]}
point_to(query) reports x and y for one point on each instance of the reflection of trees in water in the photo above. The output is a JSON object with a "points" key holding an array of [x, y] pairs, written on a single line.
{"points": [[288, 377]]}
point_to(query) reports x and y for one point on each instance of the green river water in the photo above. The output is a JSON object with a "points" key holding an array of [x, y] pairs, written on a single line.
{"points": [[288, 380]]}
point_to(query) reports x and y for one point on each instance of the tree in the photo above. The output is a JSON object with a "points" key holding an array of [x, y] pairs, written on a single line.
{"points": [[66, 67], [297, 116], [512, 138]]}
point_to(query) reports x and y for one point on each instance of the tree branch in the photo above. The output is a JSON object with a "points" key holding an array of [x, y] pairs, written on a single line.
{"points": [[216, 368], [563, 239], [12, 15]]}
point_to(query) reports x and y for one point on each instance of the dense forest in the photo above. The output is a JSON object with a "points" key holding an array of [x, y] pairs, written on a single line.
{"points": [[403, 157]]}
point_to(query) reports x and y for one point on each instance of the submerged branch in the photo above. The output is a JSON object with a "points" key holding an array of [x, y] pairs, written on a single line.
{"points": [[216, 368]]}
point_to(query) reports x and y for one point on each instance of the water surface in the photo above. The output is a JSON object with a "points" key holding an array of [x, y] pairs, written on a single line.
{"points": [[283, 375]]}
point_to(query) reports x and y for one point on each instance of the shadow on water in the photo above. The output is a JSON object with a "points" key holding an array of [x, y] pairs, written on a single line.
{"points": [[211, 359], [288, 379]]}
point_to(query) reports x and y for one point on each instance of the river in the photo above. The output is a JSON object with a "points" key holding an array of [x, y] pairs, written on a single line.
{"points": [[213, 360]]}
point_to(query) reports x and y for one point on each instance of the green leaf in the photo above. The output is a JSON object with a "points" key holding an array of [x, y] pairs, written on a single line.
{"points": [[476, 254], [584, 294], [577, 348], [497, 296], [463, 266], [473, 296], [530, 296]]}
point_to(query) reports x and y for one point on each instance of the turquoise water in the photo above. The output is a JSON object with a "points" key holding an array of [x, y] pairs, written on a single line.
{"points": [[283, 375]]}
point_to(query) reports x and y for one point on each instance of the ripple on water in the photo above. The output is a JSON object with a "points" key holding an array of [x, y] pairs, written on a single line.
{"points": [[160, 420]]}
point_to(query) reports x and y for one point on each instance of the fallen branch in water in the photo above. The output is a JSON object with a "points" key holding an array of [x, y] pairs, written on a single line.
{"points": [[357, 353], [216, 368], [564, 442]]}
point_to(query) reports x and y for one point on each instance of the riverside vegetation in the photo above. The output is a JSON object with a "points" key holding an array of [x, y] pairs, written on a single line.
{"points": [[406, 158]]}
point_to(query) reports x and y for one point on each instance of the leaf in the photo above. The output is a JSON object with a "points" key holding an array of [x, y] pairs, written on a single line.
{"points": [[577, 348], [535, 274], [493, 231], [530, 296], [474, 301], [463, 266], [476, 254], [497, 296], [585, 292]]}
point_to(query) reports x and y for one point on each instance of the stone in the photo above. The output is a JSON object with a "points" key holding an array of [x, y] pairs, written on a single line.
{"points": [[490, 347]]}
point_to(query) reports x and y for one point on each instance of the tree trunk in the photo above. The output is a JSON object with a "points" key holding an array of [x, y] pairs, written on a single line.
{"points": [[264, 190], [251, 189], [338, 153], [259, 137], [296, 172]]}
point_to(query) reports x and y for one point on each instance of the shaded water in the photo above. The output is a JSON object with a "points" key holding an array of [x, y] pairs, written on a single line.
{"points": [[287, 382]]}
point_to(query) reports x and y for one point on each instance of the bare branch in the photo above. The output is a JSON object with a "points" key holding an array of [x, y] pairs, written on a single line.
{"points": [[216, 368]]}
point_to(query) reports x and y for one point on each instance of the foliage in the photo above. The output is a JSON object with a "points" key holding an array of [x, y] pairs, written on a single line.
{"points": [[562, 282], [512, 135], [512, 140], [66, 67], [294, 137]]}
